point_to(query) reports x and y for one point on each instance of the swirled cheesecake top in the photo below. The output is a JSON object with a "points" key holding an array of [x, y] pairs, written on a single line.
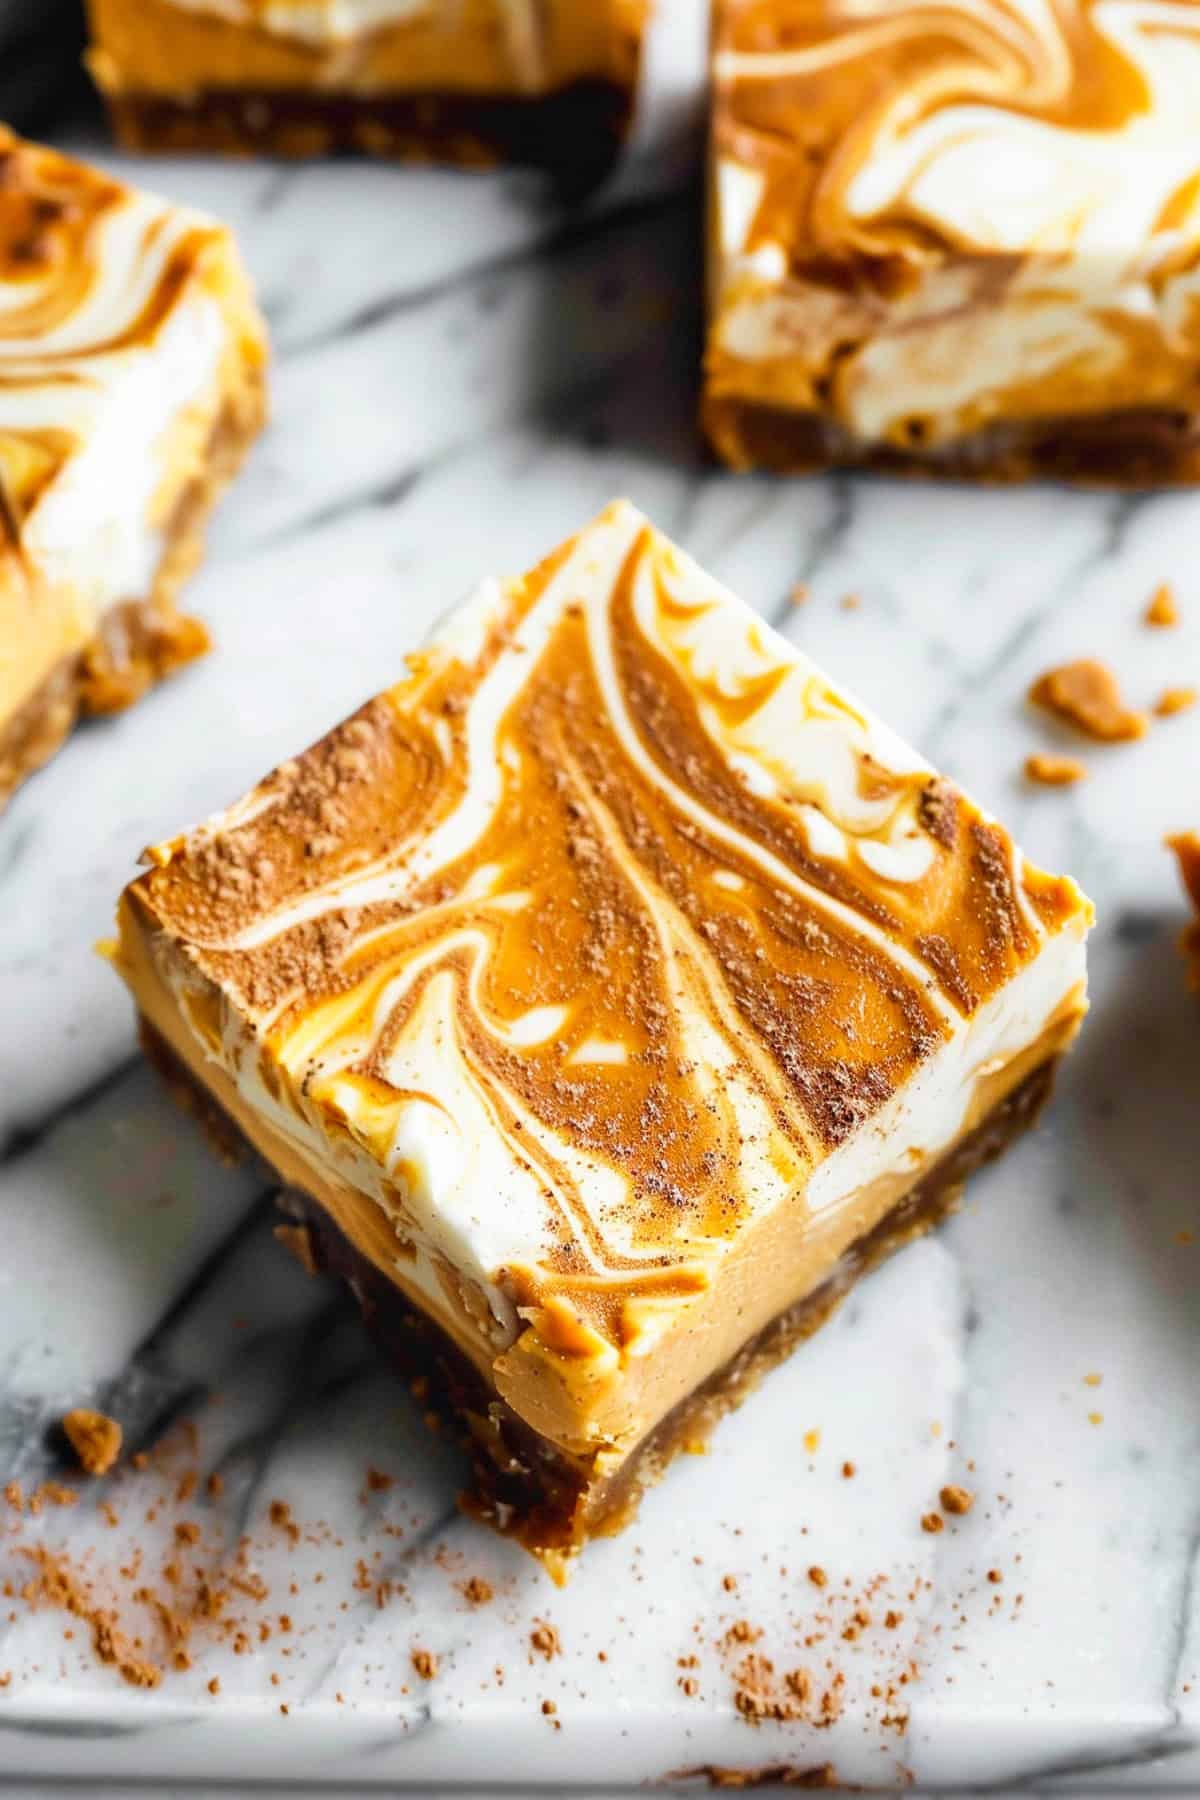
{"points": [[607, 927], [900, 130], [93, 276]]}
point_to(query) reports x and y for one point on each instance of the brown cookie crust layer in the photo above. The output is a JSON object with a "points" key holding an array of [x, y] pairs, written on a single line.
{"points": [[574, 133]]}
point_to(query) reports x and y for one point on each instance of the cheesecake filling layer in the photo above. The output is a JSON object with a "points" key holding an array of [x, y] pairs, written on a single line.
{"points": [[375, 47]]}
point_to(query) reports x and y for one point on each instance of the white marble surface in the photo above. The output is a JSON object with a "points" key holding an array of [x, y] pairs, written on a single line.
{"points": [[461, 378]]}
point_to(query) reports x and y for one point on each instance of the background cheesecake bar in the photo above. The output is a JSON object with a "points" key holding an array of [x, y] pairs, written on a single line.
{"points": [[956, 238], [1187, 852], [611, 993], [131, 368], [470, 81]]}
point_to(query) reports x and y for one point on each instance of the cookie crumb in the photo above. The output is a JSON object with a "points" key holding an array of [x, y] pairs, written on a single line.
{"points": [[817, 1576], [849, 1471], [1163, 609], [1174, 700], [425, 1664], [94, 1437], [957, 1500], [1049, 770], [1087, 695], [932, 1522], [798, 594], [545, 1639]]}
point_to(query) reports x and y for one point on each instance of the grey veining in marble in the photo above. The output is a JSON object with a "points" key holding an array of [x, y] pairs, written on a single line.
{"points": [[462, 376]]}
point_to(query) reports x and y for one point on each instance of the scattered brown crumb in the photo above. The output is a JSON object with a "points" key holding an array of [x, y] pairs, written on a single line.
{"points": [[215, 1485], [956, 1500], [1095, 1418], [892, 1618], [995, 1576], [187, 1532], [280, 1514], [1174, 700], [56, 1585], [378, 1482], [549, 1708], [1092, 1380], [932, 1522], [798, 594], [477, 1591], [94, 1437], [6, 1678], [781, 1775], [140, 1460], [729, 1583], [817, 1576], [13, 1496], [1087, 695], [1163, 609], [1049, 770], [425, 1664], [851, 602], [848, 1471], [544, 1639], [53, 1493]]}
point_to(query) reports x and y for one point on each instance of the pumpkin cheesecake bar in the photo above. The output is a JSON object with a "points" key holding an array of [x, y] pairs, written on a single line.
{"points": [[956, 239], [465, 81], [610, 993], [1186, 846], [131, 384]]}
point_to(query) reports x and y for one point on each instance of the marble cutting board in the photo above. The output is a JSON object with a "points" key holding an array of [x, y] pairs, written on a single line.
{"points": [[461, 378]]}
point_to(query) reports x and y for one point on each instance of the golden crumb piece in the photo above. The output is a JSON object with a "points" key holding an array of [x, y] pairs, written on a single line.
{"points": [[851, 602], [932, 1522], [1163, 609], [1175, 700], [95, 1439], [957, 1500], [1087, 695], [425, 1664], [798, 595], [1054, 771]]}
